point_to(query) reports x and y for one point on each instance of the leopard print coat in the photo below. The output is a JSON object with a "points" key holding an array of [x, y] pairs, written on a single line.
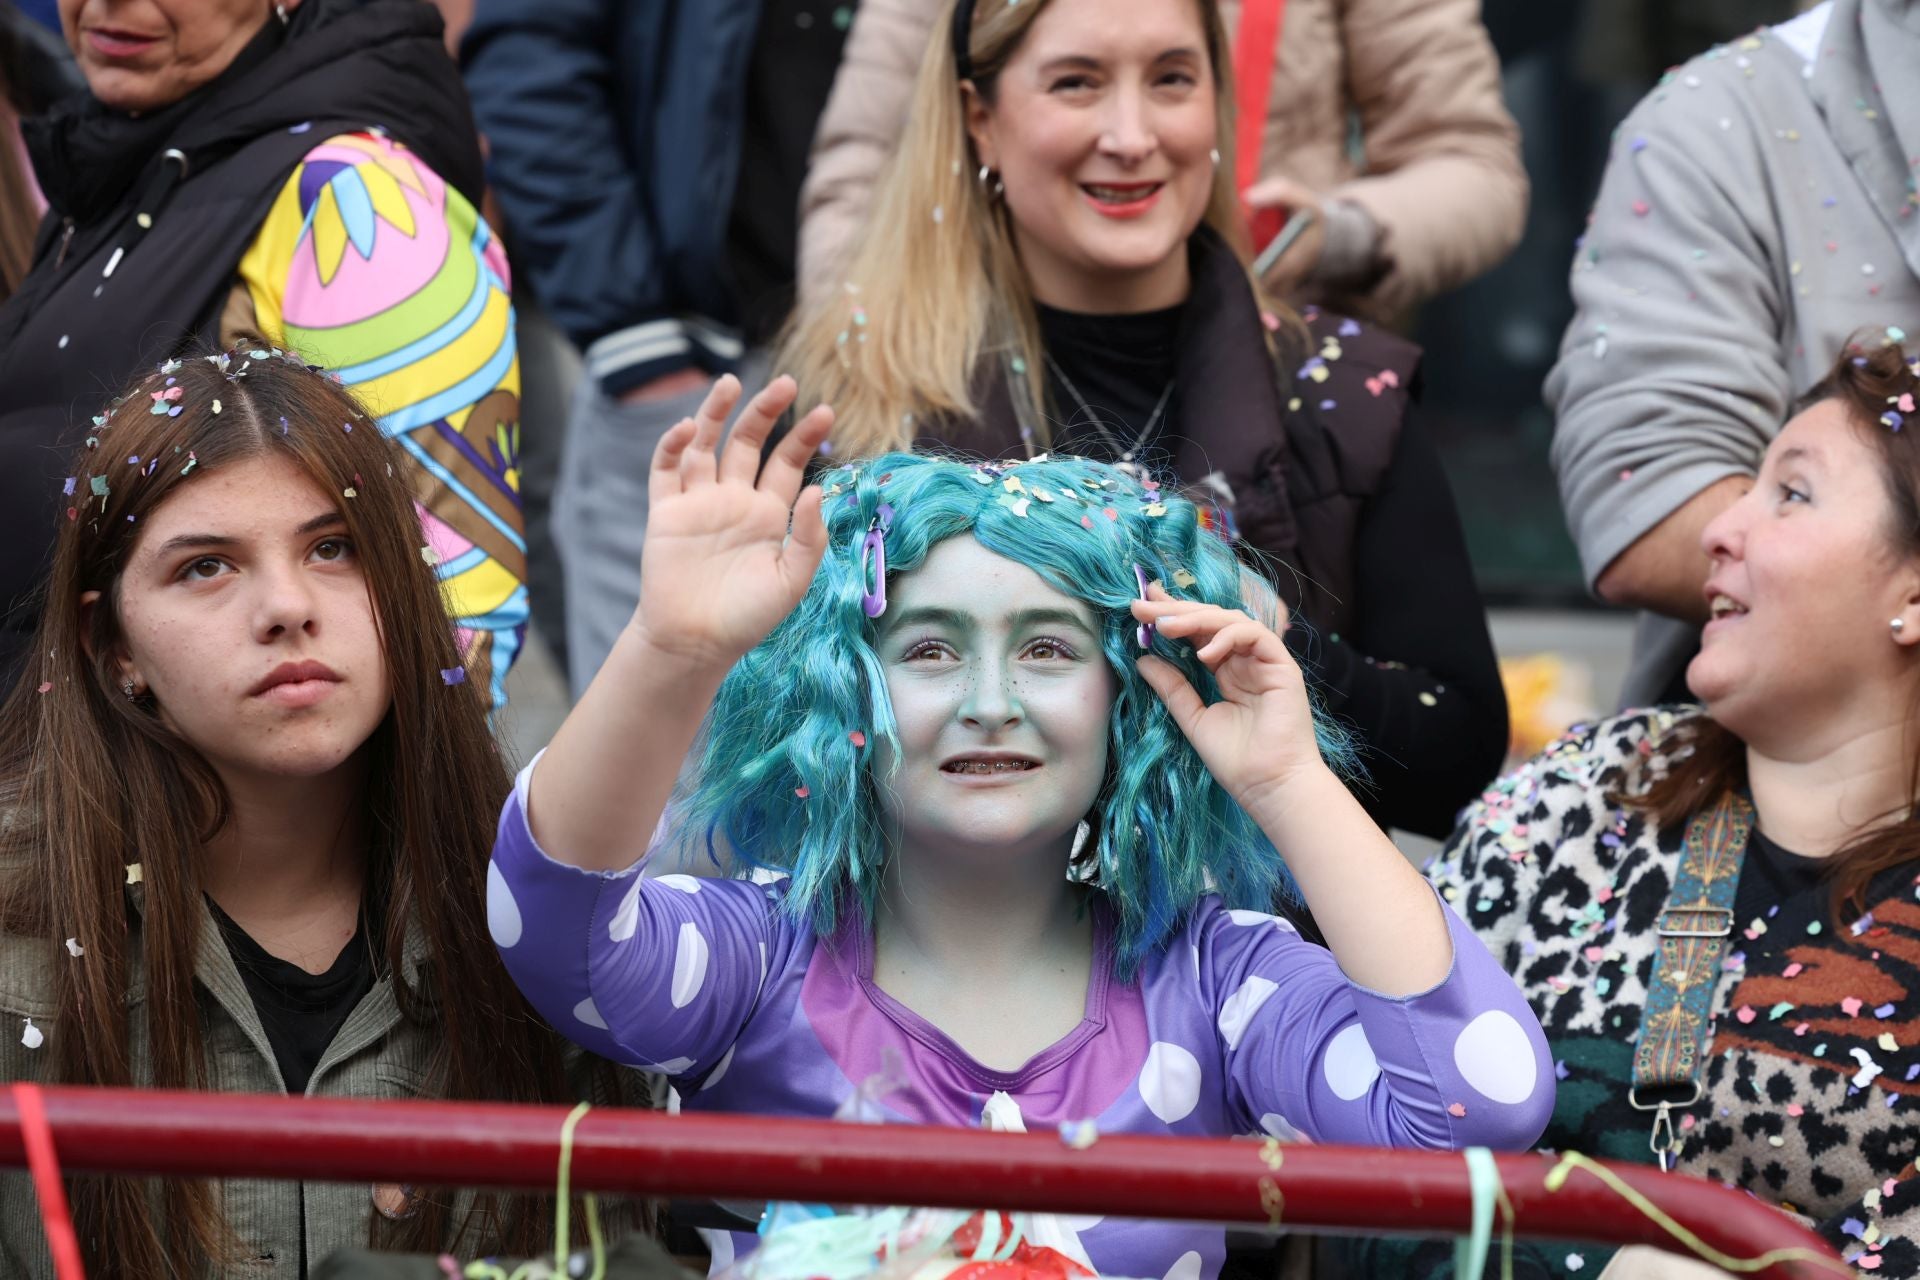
{"points": [[1813, 1075]]}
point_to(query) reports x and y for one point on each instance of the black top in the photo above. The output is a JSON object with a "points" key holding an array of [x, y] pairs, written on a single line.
{"points": [[1415, 670], [1105, 377], [1769, 876], [301, 1012], [1414, 675], [796, 50]]}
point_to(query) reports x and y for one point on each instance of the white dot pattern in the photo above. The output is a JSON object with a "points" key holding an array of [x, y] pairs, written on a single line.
{"points": [[1185, 1267], [689, 965], [685, 884], [1496, 1058], [589, 1014], [720, 1069], [503, 913], [1240, 1007], [627, 919], [1350, 1067], [1170, 1082]]}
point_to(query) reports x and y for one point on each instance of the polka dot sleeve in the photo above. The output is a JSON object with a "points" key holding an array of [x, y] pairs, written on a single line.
{"points": [[657, 973], [1308, 1052]]}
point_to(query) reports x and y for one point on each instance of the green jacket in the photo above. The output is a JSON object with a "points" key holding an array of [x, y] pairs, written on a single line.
{"points": [[280, 1225]]}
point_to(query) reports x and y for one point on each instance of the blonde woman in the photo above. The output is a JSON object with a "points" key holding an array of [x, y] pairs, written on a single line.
{"points": [[1055, 262]]}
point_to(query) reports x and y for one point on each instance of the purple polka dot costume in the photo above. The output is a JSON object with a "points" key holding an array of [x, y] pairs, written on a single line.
{"points": [[1239, 1026]]}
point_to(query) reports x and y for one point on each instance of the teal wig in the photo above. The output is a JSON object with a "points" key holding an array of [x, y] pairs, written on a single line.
{"points": [[785, 771]]}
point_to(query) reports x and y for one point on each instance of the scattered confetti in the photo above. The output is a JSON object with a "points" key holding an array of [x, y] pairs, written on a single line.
{"points": [[429, 555], [857, 738], [135, 873], [1079, 1134], [1575, 1262], [1456, 1110], [453, 675], [46, 686], [74, 948], [32, 1037], [802, 792], [216, 406]]}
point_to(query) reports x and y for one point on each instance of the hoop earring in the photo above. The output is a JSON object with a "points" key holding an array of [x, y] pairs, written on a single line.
{"points": [[997, 187]]}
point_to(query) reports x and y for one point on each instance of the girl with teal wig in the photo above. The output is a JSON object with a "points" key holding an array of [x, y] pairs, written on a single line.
{"points": [[927, 686], [1162, 831]]}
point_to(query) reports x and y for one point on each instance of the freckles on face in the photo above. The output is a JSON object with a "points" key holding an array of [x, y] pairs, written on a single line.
{"points": [[245, 615], [1001, 698]]}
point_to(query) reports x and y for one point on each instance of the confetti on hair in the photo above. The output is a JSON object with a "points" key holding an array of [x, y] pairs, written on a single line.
{"points": [[802, 792], [350, 492], [347, 427], [216, 406], [857, 738], [74, 948], [453, 675], [193, 461], [283, 426], [71, 482], [429, 555], [99, 486], [135, 873]]}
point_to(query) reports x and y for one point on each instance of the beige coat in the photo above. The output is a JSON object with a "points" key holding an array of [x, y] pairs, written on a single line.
{"points": [[1441, 178]]}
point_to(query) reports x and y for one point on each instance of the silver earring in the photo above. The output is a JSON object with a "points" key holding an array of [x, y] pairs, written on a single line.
{"points": [[127, 688], [280, 12], [991, 183], [1897, 626], [1215, 154]]}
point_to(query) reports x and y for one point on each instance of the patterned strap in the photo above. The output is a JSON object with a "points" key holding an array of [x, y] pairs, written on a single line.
{"points": [[1693, 932]]}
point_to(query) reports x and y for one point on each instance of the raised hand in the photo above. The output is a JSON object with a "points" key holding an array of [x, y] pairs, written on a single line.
{"points": [[718, 570], [1259, 736]]}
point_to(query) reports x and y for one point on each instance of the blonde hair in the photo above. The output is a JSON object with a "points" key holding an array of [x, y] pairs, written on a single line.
{"points": [[936, 281]]}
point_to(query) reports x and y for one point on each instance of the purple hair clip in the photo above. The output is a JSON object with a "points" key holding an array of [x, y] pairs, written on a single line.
{"points": [[873, 549], [1144, 634]]}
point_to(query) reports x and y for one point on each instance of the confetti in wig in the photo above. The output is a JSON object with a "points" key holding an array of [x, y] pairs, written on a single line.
{"points": [[786, 764]]}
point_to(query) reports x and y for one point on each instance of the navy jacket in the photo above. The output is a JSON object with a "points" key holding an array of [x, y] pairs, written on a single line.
{"points": [[614, 133]]}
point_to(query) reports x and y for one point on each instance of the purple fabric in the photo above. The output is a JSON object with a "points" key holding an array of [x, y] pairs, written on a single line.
{"points": [[1240, 1026]]}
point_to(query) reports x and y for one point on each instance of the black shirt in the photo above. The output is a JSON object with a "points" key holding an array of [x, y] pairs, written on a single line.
{"points": [[1107, 375], [1769, 876], [1415, 675], [301, 1012], [796, 50]]}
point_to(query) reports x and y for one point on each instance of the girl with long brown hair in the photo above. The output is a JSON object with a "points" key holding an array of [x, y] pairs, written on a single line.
{"points": [[250, 798]]}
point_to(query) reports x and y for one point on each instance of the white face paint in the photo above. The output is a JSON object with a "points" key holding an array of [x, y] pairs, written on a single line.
{"points": [[1001, 697]]}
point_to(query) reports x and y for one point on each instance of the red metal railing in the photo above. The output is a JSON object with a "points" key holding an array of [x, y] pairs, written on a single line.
{"points": [[746, 1157]]}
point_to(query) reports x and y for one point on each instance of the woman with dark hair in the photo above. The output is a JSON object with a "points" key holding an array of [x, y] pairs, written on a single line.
{"points": [[1712, 909], [302, 169], [229, 863]]}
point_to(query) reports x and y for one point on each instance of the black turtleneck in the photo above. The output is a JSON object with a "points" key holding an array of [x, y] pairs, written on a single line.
{"points": [[1106, 375]]}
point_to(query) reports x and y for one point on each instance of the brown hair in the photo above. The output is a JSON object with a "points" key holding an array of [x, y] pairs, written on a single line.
{"points": [[1868, 383], [936, 268], [97, 782]]}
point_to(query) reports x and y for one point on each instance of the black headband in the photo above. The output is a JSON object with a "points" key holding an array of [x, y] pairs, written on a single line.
{"points": [[962, 36]]}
